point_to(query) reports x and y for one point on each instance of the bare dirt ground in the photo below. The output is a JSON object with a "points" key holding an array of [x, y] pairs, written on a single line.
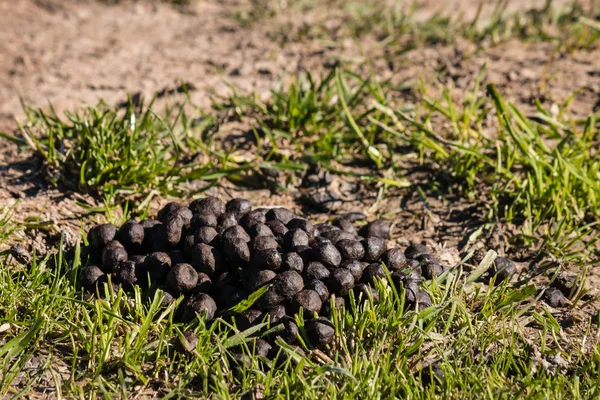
{"points": [[69, 53]]}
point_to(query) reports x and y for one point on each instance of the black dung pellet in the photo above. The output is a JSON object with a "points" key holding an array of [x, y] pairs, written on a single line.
{"points": [[303, 224], [394, 259], [276, 313], [320, 332], [290, 330], [131, 234], [157, 266], [282, 215], [237, 250], [260, 278], [555, 298], [207, 259], [306, 253], [188, 342], [100, 235], [372, 272], [90, 276], [350, 249], [182, 278], [287, 284], [430, 266], [374, 248], [188, 242], [315, 270], [569, 285], [172, 231], [432, 374], [337, 235], [127, 274], [206, 235], [309, 300], [208, 205], [169, 208], [183, 213], [355, 267], [292, 262], [238, 206], [379, 228], [338, 302], [295, 238], [204, 284], [267, 259], [261, 347], [226, 221], [167, 298], [346, 226], [424, 299], [264, 243], [200, 220], [319, 287], [340, 282], [112, 255], [248, 319], [201, 304], [278, 228], [259, 230], [503, 269], [363, 292], [151, 231], [326, 227], [327, 254], [415, 250], [252, 218], [235, 232]]}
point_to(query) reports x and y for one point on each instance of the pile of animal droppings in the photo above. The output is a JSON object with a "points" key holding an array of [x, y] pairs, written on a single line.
{"points": [[216, 255]]}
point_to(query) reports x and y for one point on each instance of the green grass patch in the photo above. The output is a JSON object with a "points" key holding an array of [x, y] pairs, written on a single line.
{"points": [[493, 343]]}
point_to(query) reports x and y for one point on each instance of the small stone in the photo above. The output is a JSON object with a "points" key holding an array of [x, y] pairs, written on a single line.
{"points": [[346, 225], [276, 313], [261, 347], [226, 221], [336, 235]]}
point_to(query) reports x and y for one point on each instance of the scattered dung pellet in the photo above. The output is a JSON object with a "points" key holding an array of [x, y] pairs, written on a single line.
{"points": [[182, 278], [336, 235], [100, 235], [415, 250], [350, 249], [346, 225], [90, 276], [355, 267], [187, 342], [200, 304], [167, 298], [248, 319], [338, 303], [157, 266], [410, 285], [394, 259], [323, 200], [261, 347], [319, 287], [290, 330], [112, 255], [432, 374], [270, 299], [264, 243], [569, 285], [252, 218], [413, 265], [315, 270], [364, 292], [424, 299], [204, 284], [260, 278], [276, 313], [374, 248], [503, 269], [340, 282], [207, 259], [555, 298], [372, 272], [239, 361], [379, 228], [19, 253], [202, 220], [292, 262], [267, 259], [320, 332], [235, 232], [430, 266], [280, 214], [127, 274], [238, 206], [206, 235], [131, 234], [327, 254], [278, 228], [303, 224], [237, 250], [287, 284], [208, 205], [295, 238]]}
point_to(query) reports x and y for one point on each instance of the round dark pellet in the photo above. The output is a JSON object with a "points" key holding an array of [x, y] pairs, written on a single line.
{"points": [[112, 255], [290, 330], [184, 213], [338, 302], [424, 299], [415, 250], [379, 228], [346, 226], [430, 266], [350, 249], [295, 238], [187, 343], [327, 254], [206, 235], [237, 250], [127, 274], [364, 291], [320, 332], [200, 220], [226, 221], [238, 206], [394, 259], [306, 254], [167, 298], [432, 374], [151, 231], [315, 270], [287, 284], [138, 259], [90, 276], [278, 228], [204, 284], [248, 319], [100, 235], [374, 248], [503, 269], [208, 205], [259, 230], [355, 267], [555, 298], [235, 232], [327, 227], [200, 304], [280, 214], [340, 282], [131, 234], [157, 266], [169, 208], [182, 278], [252, 218], [267, 259], [309, 300], [276, 313], [188, 241], [172, 231], [292, 262], [207, 259], [319, 287], [337, 235], [264, 243], [372, 272], [304, 224], [260, 278], [261, 347]]}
